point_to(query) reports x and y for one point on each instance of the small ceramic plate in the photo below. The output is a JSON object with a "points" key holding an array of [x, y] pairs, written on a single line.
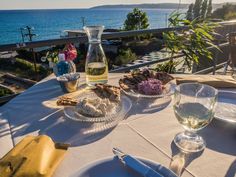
{"points": [[112, 167], [226, 106]]}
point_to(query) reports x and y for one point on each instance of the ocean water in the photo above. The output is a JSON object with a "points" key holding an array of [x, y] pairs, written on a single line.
{"points": [[50, 24]]}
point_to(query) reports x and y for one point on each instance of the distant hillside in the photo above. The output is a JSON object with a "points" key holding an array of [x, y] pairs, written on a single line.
{"points": [[144, 6], [150, 6]]}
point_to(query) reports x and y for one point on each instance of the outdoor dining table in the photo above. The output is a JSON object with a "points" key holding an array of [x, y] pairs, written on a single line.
{"points": [[144, 134]]}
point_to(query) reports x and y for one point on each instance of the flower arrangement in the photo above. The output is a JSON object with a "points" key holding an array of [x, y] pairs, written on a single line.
{"points": [[52, 56], [70, 52]]}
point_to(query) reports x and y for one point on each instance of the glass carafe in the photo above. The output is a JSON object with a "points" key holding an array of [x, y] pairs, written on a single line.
{"points": [[96, 66]]}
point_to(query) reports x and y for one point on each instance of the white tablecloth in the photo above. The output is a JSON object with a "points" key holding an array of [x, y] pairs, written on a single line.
{"points": [[145, 134]]}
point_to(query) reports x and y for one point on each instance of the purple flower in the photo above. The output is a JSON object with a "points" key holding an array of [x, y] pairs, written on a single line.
{"points": [[150, 87]]}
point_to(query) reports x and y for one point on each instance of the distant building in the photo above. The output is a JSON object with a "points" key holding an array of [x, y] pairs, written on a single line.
{"points": [[75, 33], [108, 46], [79, 33]]}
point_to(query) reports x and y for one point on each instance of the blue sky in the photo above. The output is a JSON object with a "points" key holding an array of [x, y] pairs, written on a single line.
{"points": [[60, 4]]}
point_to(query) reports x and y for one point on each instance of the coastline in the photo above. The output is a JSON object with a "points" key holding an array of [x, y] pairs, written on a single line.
{"points": [[50, 24]]}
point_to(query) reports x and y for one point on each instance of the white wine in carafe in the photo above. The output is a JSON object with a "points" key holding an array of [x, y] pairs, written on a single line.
{"points": [[96, 72], [96, 66]]}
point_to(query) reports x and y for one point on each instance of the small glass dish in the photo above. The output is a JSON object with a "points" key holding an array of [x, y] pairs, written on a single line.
{"points": [[120, 110]]}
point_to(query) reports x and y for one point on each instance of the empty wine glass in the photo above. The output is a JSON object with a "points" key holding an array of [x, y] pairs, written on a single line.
{"points": [[194, 108]]}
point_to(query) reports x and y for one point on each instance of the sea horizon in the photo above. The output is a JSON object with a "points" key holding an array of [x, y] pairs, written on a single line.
{"points": [[91, 8], [50, 23]]}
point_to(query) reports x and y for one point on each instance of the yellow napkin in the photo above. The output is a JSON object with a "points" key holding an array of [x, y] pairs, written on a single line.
{"points": [[32, 157], [217, 81]]}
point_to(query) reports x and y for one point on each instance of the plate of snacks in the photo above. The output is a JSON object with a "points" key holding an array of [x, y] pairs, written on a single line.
{"points": [[147, 84], [99, 104]]}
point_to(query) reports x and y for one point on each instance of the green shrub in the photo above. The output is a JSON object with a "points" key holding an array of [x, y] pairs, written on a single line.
{"points": [[226, 12], [230, 16], [169, 67], [5, 92], [145, 46], [23, 68], [23, 53], [125, 56]]}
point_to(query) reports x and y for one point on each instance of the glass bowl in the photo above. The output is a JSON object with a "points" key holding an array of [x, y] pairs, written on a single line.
{"points": [[120, 110]]}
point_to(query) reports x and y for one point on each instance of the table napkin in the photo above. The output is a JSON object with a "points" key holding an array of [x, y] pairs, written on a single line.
{"points": [[217, 81], [32, 157]]}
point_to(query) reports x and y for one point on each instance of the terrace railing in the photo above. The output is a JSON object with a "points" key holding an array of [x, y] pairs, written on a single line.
{"points": [[226, 27], [83, 39]]}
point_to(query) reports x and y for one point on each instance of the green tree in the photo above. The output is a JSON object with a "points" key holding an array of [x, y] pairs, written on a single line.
{"points": [[204, 9], [209, 9], [197, 9], [189, 14], [136, 20]]}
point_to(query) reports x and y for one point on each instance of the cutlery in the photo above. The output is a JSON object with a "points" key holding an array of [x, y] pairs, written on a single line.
{"points": [[136, 164]]}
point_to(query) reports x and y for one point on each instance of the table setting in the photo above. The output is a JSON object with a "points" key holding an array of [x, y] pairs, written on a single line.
{"points": [[97, 124], [134, 121]]}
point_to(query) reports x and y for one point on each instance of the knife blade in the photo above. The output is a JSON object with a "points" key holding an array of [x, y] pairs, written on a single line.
{"points": [[136, 164]]}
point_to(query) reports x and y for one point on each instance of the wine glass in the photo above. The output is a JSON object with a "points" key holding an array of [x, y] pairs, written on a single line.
{"points": [[194, 108]]}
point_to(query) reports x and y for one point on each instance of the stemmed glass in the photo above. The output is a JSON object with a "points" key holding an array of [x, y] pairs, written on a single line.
{"points": [[194, 108]]}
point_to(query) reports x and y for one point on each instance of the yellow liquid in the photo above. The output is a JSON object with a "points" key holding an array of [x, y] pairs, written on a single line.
{"points": [[96, 72], [193, 116]]}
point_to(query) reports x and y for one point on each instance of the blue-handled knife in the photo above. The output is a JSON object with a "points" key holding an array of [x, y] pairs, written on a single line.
{"points": [[135, 164]]}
